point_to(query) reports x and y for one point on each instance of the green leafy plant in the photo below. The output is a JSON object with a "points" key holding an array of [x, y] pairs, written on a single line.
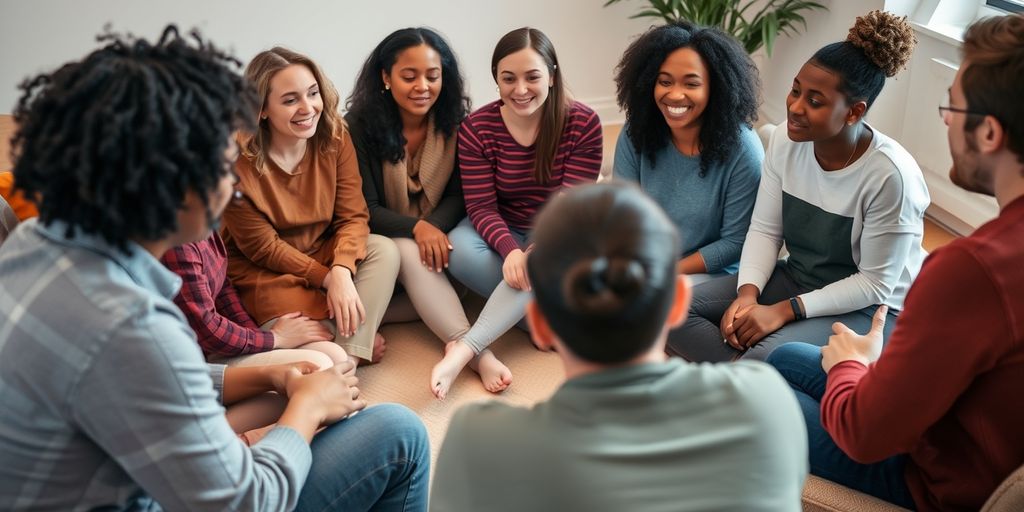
{"points": [[773, 18]]}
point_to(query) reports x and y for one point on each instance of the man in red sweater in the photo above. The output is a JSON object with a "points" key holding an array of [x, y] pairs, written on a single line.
{"points": [[937, 422]]}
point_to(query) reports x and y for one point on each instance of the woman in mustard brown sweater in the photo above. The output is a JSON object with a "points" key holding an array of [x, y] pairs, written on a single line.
{"points": [[300, 240]]}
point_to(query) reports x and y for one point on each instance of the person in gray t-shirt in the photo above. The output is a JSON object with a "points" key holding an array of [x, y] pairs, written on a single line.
{"points": [[629, 429]]}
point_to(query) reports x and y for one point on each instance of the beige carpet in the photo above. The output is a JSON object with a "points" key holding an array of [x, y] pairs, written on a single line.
{"points": [[403, 376]]}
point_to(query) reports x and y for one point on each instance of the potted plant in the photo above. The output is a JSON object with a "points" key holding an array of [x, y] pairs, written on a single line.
{"points": [[773, 18]]}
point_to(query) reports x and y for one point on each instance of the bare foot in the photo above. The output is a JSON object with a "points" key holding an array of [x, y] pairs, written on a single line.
{"points": [[379, 347], [495, 376], [457, 355]]}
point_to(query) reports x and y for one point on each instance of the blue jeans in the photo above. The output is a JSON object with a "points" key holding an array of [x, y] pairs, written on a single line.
{"points": [[378, 459], [800, 364], [477, 266]]}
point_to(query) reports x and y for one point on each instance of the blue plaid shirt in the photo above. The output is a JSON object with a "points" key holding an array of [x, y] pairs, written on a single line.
{"points": [[105, 399]]}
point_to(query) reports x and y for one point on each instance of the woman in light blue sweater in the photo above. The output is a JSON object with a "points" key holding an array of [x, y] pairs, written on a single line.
{"points": [[690, 96]]}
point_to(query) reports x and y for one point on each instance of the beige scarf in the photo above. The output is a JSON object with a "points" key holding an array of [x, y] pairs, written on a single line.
{"points": [[414, 187]]}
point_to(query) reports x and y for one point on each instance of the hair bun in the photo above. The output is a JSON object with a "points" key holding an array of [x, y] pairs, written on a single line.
{"points": [[887, 40], [601, 285]]}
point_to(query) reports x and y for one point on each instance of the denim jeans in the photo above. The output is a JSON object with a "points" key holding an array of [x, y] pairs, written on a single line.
{"points": [[800, 364], [378, 460], [477, 266]]}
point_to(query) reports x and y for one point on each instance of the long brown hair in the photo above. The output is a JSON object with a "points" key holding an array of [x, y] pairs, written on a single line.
{"points": [[556, 108], [260, 71]]}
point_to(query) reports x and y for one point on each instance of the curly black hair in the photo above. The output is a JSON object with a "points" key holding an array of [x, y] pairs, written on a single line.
{"points": [[112, 143], [732, 102], [368, 106], [878, 46]]}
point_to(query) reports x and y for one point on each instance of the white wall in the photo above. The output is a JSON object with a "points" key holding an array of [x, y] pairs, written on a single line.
{"points": [[37, 35]]}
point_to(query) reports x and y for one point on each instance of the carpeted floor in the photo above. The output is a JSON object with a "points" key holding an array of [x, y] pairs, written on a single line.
{"points": [[403, 375]]}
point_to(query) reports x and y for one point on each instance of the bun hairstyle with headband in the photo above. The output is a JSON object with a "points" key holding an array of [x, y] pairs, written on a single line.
{"points": [[603, 270], [878, 46]]}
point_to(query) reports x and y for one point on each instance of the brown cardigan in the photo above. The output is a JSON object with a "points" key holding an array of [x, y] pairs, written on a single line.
{"points": [[291, 228]]}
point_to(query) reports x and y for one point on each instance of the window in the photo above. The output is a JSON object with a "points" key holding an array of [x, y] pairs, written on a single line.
{"points": [[1006, 5]]}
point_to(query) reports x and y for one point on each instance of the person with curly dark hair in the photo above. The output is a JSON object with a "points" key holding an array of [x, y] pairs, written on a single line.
{"points": [[300, 241], [847, 201], [690, 94], [107, 402], [404, 114], [630, 428]]}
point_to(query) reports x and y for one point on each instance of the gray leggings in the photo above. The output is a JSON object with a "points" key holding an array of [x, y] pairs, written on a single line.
{"points": [[477, 266], [700, 338]]}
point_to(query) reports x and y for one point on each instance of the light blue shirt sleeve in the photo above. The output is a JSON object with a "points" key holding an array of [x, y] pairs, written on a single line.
{"points": [[742, 179], [147, 400], [627, 161]]}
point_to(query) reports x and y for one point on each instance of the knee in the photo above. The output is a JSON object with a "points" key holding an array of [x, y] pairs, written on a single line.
{"points": [[464, 237], [399, 427], [794, 357], [408, 249], [324, 360], [408, 253], [383, 253]]}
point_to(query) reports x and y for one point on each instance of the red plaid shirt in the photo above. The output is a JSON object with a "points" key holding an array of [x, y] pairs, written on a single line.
{"points": [[211, 304]]}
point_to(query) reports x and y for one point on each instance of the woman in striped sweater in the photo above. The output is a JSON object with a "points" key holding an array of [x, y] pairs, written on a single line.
{"points": [[514, 153]]}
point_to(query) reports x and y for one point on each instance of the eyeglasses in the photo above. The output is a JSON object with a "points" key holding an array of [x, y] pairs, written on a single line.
{"points": [[946, 112]]}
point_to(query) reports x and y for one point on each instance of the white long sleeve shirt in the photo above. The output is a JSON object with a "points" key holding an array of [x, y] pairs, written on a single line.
{"points": [[854, 235]]}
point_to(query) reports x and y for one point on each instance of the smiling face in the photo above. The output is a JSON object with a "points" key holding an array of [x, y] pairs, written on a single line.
{"points": [[524, 82], [293, 103], [816, 108], [415, 80], [681, 90]]}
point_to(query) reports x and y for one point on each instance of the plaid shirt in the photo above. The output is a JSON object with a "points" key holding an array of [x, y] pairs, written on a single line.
{"points": [[211, 304], [105, 399]]}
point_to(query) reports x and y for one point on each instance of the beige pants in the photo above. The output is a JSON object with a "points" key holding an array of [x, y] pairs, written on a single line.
{"points": [[375, 282], [431, 294]]}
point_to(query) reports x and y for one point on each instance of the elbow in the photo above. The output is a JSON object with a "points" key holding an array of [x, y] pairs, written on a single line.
{"points": [[878, 291]]}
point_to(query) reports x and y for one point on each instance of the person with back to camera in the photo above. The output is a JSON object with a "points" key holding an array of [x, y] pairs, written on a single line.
{"points": [[847, 201], [514, 153], [630, 429], [106, 399], [690, 145], [935, 423], [404, 114]]}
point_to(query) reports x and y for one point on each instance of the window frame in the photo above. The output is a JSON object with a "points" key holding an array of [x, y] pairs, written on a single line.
{"points": [[1005, 5]]}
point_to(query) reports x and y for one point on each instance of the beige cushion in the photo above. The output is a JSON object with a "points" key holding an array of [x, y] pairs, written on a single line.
{"points": [[821, 495], [1009, 497]]}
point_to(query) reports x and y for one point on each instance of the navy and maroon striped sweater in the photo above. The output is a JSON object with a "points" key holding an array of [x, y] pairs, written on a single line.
{"points": [[497, 172]]}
